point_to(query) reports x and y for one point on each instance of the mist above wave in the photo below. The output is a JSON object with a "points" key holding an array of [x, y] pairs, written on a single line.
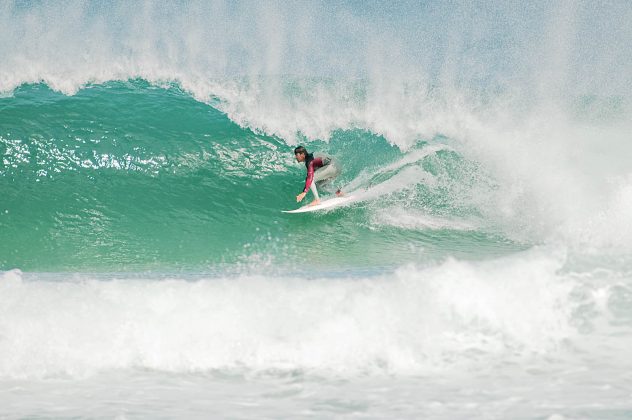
{"points": [[537, 94]]}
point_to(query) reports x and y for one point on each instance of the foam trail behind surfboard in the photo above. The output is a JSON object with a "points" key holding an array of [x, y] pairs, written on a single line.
{"points": [[400, 180]]}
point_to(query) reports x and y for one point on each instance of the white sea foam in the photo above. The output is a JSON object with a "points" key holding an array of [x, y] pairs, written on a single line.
{"points": [[413, 321], [537, 94], [418, 220]]}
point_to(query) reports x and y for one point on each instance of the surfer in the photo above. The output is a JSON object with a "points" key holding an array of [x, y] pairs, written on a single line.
{"points": [[321, 170]]}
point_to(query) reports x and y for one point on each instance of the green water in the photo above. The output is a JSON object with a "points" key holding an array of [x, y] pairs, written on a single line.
{"points": [[127, 176]]}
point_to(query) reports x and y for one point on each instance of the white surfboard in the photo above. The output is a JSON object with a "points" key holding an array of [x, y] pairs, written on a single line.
{"points": [[324, 204]]}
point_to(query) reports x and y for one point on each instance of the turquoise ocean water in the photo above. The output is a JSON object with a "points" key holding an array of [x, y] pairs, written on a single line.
{"points": [[130, 177], [483, 271]]}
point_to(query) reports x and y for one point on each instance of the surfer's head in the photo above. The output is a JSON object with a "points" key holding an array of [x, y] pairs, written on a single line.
{"points": [[300, 153]]}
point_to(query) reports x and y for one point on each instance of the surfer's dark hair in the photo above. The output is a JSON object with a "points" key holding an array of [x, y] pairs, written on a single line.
{"points": [[308, 156]]}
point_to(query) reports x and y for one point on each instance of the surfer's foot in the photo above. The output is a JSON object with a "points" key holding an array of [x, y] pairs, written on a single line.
{"points": [[315, 202], [339, 193]]}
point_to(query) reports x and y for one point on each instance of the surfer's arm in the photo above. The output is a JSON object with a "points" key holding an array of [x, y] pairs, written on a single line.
{"points": [[309, 182], [311, 169], [310, 176], [302, 195]]}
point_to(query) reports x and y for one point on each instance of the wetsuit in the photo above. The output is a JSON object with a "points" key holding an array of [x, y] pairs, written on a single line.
{"points": [[313, 164]]}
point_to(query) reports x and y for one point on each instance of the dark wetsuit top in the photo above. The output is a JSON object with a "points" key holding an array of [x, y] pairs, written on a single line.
{"points": [[312, 165]]}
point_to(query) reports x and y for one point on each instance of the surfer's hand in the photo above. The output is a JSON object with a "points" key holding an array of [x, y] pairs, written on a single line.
{"points": [[300, 197]]}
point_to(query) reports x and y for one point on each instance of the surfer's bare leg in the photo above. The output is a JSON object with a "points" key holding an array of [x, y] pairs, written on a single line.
{"points": [[315, 192]]}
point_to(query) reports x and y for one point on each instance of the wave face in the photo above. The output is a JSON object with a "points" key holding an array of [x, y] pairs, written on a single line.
{"points": [[476, 121], [146, 155], [128, 176]]}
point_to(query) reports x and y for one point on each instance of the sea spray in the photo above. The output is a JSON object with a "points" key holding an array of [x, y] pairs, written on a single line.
{"points": [[413, 321], [146, 155]]}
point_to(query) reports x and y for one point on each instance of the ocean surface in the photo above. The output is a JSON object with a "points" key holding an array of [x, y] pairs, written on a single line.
{"points": [[483, 271]]}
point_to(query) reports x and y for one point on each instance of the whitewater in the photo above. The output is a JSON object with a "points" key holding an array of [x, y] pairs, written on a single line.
{"points": [[482, 270]]}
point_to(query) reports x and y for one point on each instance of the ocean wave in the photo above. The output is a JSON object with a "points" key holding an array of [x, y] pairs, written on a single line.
{"points": [[416, 320]]}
